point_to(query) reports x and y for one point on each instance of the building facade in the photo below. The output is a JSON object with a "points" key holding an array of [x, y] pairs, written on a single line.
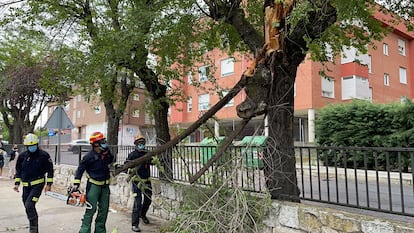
{"points": [[90, 116], [383, 75]]}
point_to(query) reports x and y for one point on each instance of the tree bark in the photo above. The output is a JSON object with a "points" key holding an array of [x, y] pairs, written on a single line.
{"points": [[163, 136]]}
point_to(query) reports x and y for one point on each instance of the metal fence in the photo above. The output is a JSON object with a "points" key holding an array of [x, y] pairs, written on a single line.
{"points": [[379, 179]]}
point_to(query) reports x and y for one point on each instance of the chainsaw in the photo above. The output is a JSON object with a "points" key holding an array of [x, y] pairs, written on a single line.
{"points": [[73, 198]]}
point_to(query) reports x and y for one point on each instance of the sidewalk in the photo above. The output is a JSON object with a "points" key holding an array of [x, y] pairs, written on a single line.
{"points": [[55, 215]]}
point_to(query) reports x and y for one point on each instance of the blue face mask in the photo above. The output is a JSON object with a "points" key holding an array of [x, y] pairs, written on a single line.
{"points": [[140, 146], [32, 149], [103, 146]]}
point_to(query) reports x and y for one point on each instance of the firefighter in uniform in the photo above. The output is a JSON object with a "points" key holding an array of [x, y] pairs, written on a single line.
{"points": [[96, 163], [141, 185], [31, 168]]}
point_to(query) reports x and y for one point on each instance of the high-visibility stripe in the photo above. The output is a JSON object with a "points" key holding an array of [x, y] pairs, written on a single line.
{"points": [[76, 181], [49, 180], [18, 179], [134, 194], [35, 199], [97, 182], [34, 182]]}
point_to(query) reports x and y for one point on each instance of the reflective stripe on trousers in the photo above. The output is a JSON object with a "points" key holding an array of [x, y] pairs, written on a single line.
{"points": [[30, 197]]}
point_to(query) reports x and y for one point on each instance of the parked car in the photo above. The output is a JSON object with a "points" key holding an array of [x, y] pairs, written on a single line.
{"points": [[76, 145]]}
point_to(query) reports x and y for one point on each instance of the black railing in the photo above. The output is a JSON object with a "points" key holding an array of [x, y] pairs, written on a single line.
{"points": [[378, 179]]}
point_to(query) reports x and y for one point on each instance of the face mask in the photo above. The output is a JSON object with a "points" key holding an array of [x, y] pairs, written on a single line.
{"points": [[103, 146], [140, 146], [32, 149]]}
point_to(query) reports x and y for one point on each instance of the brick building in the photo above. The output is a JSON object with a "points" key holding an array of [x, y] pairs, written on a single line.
{"points": [[383, 75]]}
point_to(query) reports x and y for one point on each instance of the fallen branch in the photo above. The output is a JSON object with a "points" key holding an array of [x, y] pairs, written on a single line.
{"points": [[221, 150], [162, 148]]}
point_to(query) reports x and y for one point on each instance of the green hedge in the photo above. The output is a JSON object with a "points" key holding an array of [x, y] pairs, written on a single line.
{"points": [[364, 124]]}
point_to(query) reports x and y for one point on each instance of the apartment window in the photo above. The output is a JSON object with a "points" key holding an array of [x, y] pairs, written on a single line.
{"points": [[355, 87], [135, 97], [231, 102], [386, 79], [190, 78], [135, 113], [79, 98], [97, 109], [385, 49], [203, 102], [401, 47], [403, 75], [203, 73], [189, 104], [327, 87], [369, 64], [227, 67], [78, 114]]}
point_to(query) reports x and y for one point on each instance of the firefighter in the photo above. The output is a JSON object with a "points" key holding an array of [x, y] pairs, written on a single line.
{"points": [[96, 163], [31, 168], [141, 185]]}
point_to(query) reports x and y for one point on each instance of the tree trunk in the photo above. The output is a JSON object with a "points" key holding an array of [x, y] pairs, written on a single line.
{"points": [[280, 169], [158, 94], [17, 129], [163, 136], [113, 126]]}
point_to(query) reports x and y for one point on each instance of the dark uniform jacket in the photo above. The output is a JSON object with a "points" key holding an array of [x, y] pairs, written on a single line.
{"points": [[34, 166], [96, 165], [144, 168]]}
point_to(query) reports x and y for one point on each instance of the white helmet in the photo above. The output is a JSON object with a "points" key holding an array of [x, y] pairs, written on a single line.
{"points": [[30, 139]]}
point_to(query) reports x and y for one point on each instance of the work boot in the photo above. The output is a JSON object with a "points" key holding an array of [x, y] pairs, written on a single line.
{"points": [[145, 219], [33, 228], [136, 229]]}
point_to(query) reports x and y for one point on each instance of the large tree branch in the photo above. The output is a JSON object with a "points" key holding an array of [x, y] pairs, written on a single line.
{"points": [[232, 93]]}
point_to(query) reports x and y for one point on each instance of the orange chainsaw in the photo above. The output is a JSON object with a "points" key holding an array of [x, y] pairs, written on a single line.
{"points": [[76, 198], [73, 198]]}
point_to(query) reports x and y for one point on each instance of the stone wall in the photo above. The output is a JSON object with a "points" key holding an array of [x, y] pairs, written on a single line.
{"points": [[284, 217]]}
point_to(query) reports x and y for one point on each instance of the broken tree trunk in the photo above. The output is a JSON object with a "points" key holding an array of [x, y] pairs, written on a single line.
{"points": [[269, 84]]}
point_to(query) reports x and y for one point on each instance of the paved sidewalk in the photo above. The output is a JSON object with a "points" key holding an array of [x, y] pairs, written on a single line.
{"points": [[55, 215]]}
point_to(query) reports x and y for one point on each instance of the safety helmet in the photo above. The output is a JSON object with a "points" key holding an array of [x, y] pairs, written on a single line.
{"points": [[96, 137], [139, 138], [30, 139]]}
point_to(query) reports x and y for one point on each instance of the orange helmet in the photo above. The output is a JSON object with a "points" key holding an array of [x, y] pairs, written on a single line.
{"points": [[139, 138], [95, 137]]}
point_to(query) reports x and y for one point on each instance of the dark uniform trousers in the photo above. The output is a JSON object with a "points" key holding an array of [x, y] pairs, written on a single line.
{"points": [[30, 197], [140, 208]]}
